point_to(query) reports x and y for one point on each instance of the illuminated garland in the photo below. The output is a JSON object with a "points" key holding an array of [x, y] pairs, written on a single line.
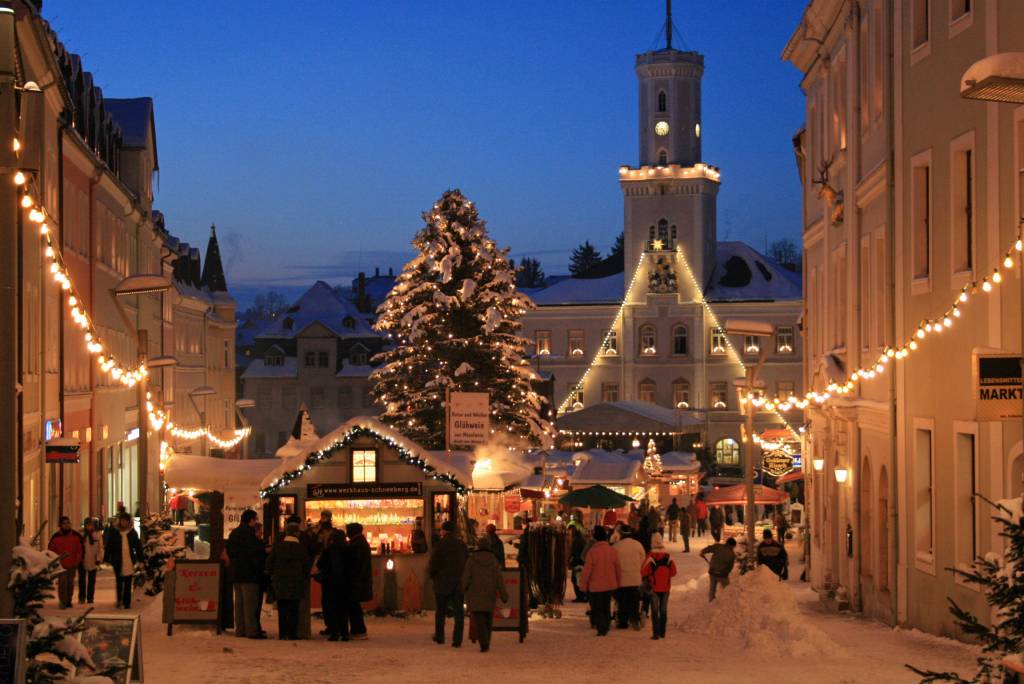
{"points": [[404, 453], [927, 326]]}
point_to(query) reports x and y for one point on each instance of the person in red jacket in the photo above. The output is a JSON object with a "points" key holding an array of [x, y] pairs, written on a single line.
{"points": [[702, 515], [658, 570], [602, 575], [67, 544]]}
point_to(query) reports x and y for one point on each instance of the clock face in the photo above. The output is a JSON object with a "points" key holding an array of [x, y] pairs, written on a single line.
{"points": [[661, 128]]}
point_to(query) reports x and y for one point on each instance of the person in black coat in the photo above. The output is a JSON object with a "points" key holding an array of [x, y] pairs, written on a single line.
{"points": [[333, 568], [360, 579], [122, 549], [447, 561], [288, 566], [246, 561]]}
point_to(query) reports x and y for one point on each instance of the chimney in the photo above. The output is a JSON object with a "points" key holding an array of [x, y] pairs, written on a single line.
{"points": [[376, 272], [390, 274], [361, 284]]}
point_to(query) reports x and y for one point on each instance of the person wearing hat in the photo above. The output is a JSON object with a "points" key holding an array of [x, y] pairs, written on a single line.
{"points": [[658, 571], [481, 585], [288, 566], [447, 562]]}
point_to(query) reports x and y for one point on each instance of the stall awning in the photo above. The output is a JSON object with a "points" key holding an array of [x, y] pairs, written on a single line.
{"points": [[203, 473], [737, 495], [628, 417], [607, 468], [791, 476]]}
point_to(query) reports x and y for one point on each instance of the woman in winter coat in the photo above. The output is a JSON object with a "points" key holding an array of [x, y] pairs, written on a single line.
{"points": [[333, 566], [601, 576], [92, 556], [481, 585], [288, 565], [658, 571]]}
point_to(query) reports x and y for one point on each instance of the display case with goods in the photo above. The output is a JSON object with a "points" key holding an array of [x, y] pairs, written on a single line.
{"points": [[387, 523]]}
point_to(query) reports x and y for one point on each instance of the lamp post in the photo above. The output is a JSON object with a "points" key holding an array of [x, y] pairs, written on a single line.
{"points": [[130, 286], [1000, 78], [749, 387], [202, 391]]}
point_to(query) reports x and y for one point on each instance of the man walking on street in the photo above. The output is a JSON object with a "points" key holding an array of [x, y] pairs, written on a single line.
{"points": [[672, 515], [773, 554], [684, 528], [723, 557], [702, 515], [715, 518], [631, 555], [247, 559], [481, 585], [122, 550], [447, 563], [67, 543]]}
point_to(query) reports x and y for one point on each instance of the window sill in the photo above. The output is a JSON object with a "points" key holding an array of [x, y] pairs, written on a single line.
{"points": [[960, 278], [925, 562], [920, 286], [962, 582], [961, 24], [920, 52]]}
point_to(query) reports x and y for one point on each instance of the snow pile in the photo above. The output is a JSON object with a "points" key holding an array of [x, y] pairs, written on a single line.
{"points": [[756, 610]]}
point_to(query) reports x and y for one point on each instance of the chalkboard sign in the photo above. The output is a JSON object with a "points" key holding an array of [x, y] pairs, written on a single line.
{"points": [[113, 641], [12, 651], [192, 593], [512, 616]]}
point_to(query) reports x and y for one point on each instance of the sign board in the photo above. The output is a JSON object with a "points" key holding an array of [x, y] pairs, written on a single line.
{"points": [[192, 593], [998, 386], [513, 503], [469, 418], [12, 651], [512, 616], [777, 462], [62, 450], [236, 502], [365, 490], [112, 641]]}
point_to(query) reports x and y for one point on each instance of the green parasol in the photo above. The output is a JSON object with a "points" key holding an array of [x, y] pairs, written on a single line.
{"points": [[597, 496]]}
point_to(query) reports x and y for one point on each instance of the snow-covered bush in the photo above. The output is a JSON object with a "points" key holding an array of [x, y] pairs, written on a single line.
{"points": [[159, 545], [1001, 577]]}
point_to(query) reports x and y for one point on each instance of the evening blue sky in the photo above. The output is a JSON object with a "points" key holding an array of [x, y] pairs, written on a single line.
{"points": [[314, 133]]}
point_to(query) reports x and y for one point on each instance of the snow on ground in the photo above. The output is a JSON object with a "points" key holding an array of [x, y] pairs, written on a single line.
{"points": [[776, 632]]}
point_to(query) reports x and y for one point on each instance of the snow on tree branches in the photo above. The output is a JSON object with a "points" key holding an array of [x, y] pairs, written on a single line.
{"points": [[453, 318], [159, 545], [1001, 577]]}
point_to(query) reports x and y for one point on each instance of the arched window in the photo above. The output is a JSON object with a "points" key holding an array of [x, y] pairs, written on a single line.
{"points": [[679, 341], [646, 390], [727, 451], [882, 524], [663, 234], [681, 393], [662, 101], [865, 520], [648, 340], [662, 157]]}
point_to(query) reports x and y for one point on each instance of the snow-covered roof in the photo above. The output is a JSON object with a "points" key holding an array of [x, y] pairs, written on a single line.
{"points": [[744, 274], [204, 473], [627, 416], [1000, 65], [259, 369], [352, 370], [606, 467], [135, 118], [680, 462], [608, 290], [319, 304]]}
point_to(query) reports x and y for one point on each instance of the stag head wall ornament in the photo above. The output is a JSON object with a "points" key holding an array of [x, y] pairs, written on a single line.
{"points": [[828, 192]]}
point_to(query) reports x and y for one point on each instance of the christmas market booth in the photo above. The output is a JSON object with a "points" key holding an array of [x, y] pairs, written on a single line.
{"points": [[367, 472], [625, 424]]}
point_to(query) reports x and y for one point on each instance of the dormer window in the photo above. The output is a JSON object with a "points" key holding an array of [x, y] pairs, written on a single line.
{"points": [[274, 357], [349, 322], [359, 355], [287, 323]]}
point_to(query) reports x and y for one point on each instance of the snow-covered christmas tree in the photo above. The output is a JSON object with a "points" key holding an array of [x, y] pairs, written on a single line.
{"points": [[159, 545], [453, 318], [652, 461], [1001, 577]]}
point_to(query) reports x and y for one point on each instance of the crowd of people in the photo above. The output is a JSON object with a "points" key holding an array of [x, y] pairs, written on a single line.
{"points": [[82, 551]]}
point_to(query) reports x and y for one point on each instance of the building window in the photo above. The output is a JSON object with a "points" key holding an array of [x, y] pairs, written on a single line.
{"points": [[646, 390], [648, 340], [321, 359], [662, 101], [784, 339], [924, 535], [359, 356], [273, 358], [227, 349], [719, 392], [718, 341], [316, 397], [880, 283], [751, 344], [364, 465], [921, 216], [310, 359], [919, 22], [662, 157], [958, 9], [575, 397], [542, 342], [864, 523], [963, 210], [681, 394], [611, 343], [609, 391], [576, 343], [345, 397], [966, 505], [349, 322], [727, 451], [867, 292], [785, 388], [679, 341], [877, 45]]}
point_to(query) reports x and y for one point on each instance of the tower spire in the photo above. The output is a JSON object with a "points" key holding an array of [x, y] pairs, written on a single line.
{"points": [[668, 24]]}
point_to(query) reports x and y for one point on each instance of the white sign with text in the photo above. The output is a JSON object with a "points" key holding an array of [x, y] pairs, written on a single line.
{"points": [[469, 418]]}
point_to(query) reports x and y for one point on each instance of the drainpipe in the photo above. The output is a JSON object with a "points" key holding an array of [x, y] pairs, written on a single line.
{"points": [[62, 123]]}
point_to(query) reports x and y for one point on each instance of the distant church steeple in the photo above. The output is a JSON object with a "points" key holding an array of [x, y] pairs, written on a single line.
{"points": [[668, 24], [213, 270]]}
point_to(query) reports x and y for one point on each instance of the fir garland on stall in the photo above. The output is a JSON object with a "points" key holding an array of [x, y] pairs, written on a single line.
{"points": [[1001, 577], [453, 319], [159, 545]]}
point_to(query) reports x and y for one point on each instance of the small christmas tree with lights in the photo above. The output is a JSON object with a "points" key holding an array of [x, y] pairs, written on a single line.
{"points": [[1001, 577], [652, 461], [452, 319]]}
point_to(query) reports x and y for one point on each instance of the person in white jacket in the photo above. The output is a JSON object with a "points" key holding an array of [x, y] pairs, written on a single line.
{"points": [[92, 556], [631, 559]]}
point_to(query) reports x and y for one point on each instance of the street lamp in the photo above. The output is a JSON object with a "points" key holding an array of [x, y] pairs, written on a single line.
{"points": [[130, 286], [755, 329], [1000, 78], [201, 391]]}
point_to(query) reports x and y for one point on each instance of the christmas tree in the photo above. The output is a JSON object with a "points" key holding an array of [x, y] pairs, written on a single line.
{"points": [[652, 461], [53, 648], [1001, 577], [452, 319], [159, 545]]}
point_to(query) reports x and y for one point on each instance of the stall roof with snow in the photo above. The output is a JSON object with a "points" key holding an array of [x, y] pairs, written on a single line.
{"points": [[629, 417], [205, 473], [606, 467]]}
